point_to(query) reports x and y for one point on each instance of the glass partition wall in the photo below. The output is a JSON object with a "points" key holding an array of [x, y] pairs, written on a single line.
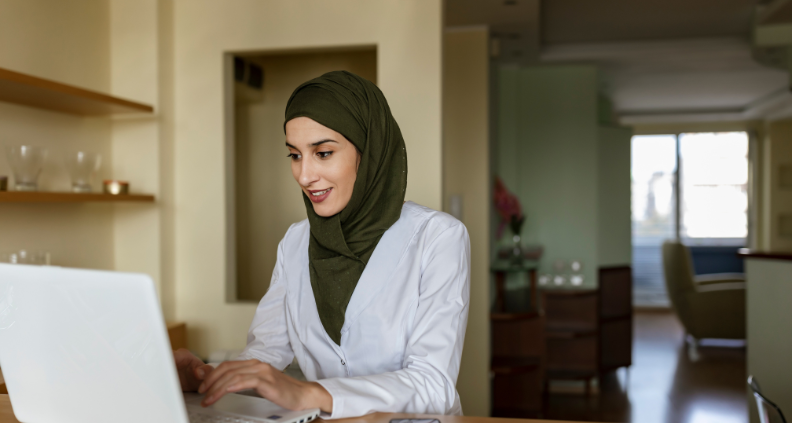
{"points": [[691, 187]]}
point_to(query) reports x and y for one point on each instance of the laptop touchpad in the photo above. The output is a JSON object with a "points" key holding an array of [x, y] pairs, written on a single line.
{"points": [[245, 405]]}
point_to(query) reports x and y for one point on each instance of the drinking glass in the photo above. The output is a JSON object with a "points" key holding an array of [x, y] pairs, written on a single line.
{"points": [[40, 258], [82, 167], [576, 275], [559, 268], [26, 162]]}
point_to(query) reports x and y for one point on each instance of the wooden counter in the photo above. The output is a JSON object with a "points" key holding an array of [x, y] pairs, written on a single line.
{"points": [[747, 253], [7, 416]]}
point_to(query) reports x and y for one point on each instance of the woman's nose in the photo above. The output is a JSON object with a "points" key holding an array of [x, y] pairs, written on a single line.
{"points": [[307, 173]]}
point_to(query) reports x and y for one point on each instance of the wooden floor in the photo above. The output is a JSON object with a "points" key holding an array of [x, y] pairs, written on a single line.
{"points": [[663, 385]]}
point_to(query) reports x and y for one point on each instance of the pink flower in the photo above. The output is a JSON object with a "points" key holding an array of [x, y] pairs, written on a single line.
{"points": [[508, 206]]}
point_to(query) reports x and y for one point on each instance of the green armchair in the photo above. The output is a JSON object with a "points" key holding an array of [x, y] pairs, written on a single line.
{"points": [[710, 306]]}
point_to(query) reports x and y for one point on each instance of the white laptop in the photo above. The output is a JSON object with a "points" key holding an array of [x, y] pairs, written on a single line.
{"points": [[91, 346]]}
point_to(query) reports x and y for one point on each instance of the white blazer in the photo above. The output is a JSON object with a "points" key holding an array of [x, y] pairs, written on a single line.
{"points": [[404, 327]]}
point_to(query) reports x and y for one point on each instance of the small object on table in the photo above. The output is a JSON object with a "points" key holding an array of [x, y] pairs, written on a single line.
{"points": [[3, 183], [114, 187]]}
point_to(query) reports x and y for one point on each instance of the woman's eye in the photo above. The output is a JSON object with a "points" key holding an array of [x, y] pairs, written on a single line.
{"points": [[293, 156], [324, 154]]}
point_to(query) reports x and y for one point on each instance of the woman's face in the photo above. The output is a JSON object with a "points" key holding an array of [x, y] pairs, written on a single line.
{"points": [[324, 163]]}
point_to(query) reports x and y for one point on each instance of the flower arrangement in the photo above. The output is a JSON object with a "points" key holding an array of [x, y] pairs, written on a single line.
{"points": [[509, 209]]}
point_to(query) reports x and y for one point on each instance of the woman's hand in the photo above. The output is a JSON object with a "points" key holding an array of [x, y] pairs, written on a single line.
{"points": [[191, 369], [269, 382]]}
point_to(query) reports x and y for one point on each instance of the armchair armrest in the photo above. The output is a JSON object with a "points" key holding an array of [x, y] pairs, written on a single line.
{"points": [[721, 286], [719, 282], [719, 278]]}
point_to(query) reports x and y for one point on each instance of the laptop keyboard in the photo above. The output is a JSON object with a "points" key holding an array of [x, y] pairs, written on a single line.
{"points": [[197, 417]]}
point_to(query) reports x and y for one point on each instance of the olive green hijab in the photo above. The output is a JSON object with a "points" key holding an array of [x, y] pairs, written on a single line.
{"points": [[341, 245]]}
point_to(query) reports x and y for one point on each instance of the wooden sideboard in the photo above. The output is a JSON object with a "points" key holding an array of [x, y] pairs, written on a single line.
{"points": [[589, 332], [574, 334]]}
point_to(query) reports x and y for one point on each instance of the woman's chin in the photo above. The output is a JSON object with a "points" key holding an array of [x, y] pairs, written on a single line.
{"points": [[325, 210]]}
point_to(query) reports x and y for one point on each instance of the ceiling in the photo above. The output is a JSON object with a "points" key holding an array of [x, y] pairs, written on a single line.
{"points": [[587, 21], [657, 57]]}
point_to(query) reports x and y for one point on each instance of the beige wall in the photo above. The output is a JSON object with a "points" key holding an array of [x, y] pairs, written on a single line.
{"points": [[268, 200], [408, 39], [466, 174], [134, 74], [777, 201], [66, 41]]}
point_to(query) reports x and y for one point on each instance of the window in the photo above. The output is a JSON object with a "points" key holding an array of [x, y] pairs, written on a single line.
{"points": [[714, 188], [692, 187]]}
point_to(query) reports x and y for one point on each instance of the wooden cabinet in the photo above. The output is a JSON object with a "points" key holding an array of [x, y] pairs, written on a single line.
{"points": [[517, 364], [589, 332], [577, 335]]}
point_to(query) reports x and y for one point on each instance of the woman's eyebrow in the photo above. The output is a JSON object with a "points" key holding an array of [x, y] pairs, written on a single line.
{"points": [[312, 144], [322, 142]]}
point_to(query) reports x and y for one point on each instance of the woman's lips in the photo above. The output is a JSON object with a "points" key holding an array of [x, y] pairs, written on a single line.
{"points": [[317, 196]]}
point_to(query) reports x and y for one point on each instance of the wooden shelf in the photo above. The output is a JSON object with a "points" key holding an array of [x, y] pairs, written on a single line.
{"points": [[32, 91], [69, 197]]}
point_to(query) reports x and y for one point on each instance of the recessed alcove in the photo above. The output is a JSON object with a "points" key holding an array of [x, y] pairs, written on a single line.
{"points": [[263, 197]]}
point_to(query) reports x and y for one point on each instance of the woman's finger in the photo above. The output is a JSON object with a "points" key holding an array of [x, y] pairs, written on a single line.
{"points": [[245, 382], [220, 371], [222, 387], [201, 372], [223, 381]]}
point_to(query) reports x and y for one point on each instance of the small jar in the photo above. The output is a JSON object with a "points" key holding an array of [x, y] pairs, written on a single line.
{"points": [[3, 183]]}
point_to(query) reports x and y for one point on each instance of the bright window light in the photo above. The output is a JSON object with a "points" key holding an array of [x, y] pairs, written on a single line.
{"points": [[714, 186]]}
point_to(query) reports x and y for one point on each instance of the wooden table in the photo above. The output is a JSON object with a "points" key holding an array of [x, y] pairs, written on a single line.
{"points": [[7, 416]]}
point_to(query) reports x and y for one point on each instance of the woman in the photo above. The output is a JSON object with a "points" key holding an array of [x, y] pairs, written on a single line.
{"points": [[370, 293]]}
